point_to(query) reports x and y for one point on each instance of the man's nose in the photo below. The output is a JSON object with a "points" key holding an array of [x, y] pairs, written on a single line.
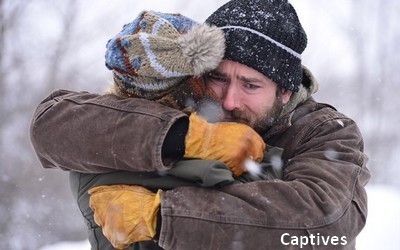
{"points": [[231, 98]]}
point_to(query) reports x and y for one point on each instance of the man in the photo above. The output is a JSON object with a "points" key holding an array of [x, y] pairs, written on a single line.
{"points": [[321, 201]]}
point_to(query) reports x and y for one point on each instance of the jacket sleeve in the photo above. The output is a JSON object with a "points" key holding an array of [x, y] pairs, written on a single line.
{"points": [[95, 133], [321, 197]]}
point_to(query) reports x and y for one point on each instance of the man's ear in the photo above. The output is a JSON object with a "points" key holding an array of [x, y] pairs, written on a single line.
{"points": [[286, 94]]}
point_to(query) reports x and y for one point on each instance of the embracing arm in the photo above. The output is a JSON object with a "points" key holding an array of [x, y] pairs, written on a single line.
{"points": [[322, 194], [95, 133], [100, 133]]}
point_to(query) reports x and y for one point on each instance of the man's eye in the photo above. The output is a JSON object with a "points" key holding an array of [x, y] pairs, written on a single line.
{"points": [[215, 77], [251, 86]]}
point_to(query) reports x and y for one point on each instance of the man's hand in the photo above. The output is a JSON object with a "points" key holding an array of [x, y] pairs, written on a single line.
{"points": [[127, 213], [227, 142]]}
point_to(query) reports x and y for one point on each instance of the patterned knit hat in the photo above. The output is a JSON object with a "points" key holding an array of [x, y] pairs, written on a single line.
{"points": [[157, 51], [265, 35]]}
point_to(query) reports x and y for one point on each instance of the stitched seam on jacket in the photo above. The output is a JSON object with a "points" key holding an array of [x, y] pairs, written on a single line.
{"points": [[137, 110], [169, 212]]}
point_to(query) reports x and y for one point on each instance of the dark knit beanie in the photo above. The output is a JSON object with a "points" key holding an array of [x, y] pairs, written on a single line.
{"points": [[265, 35], [157, 51]]}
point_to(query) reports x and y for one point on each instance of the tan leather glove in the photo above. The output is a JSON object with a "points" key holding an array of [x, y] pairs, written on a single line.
{"points": [[127, 213], [228, 142]]}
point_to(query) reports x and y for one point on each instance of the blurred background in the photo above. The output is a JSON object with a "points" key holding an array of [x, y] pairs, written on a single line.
{"points": [[49, 44]]}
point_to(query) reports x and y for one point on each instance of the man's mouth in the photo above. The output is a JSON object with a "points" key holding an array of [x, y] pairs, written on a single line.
{"points": [[234, 119]]}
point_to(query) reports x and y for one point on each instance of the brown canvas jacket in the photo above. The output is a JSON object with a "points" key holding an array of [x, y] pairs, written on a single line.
{"points": [[321, 195], [107, 128]]}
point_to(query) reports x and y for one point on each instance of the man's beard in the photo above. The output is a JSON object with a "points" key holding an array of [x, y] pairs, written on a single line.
{"points": [[212, 111], [260, 123]]}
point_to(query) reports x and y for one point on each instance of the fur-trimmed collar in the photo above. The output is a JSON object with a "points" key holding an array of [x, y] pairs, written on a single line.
{"points": [[308, 87]]}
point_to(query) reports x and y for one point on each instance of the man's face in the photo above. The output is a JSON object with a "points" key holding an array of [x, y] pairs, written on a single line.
{"points": [[246, 95]]}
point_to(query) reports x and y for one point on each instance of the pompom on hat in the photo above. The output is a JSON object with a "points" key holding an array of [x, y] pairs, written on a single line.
{"points": [[157, 51], [265, 35]]}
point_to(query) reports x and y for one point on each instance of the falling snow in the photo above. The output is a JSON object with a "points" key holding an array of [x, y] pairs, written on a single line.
{"points": [[337, 56]]}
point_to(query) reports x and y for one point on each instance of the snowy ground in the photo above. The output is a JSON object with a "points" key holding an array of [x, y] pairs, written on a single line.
{"points": [[382, 229], [79, 245], [383, 224]]}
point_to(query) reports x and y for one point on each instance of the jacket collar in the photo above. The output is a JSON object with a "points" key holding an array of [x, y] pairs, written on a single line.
{"points": [[289, 112], [308, 87]]}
